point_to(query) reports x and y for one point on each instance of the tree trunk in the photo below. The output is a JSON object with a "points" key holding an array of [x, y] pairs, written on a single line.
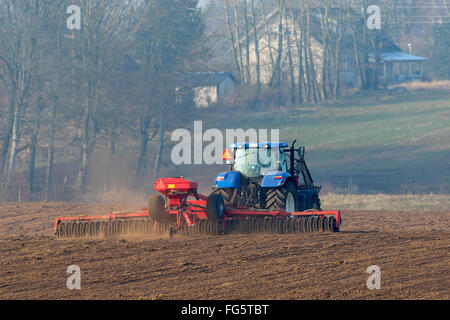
{"points": [[258, 56], [276, 74], [160, 146], [308, 85], [232, 40], [290, 61], [356, 51], [299, 46], [85, 151], [312, 72], [32, 158], [247, 44], [16, 132], [269, 42], [51, 151], [8, 136], [142, 160], [337, 53], [364, 46], [238, 42], [325, 54]]}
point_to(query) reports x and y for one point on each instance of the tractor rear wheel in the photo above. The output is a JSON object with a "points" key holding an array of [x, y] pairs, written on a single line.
{"points": [[282, 198], [157, 211], [215, 207]]}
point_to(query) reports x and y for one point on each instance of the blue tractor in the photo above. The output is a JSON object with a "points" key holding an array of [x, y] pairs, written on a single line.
{"points": [[268, 176]]}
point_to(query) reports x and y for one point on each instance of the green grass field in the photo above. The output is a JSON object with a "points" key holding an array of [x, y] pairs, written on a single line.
{"points": [[398, 143]]}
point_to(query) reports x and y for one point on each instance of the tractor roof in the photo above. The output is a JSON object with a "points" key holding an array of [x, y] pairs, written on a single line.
{"points": [[246, 145]]}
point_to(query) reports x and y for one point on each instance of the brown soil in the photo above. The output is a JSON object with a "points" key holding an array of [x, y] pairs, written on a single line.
{"points": [[411, 248]]}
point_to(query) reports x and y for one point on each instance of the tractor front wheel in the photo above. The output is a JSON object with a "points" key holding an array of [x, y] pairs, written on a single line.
{"points": [[228, 195], [215, 207]]}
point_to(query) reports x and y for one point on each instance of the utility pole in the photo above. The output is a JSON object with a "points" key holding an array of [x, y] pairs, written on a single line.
{"points": [[410, 53]]}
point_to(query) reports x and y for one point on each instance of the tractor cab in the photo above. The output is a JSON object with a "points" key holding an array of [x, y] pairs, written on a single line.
{"points": [[267, 176], [257, 159]]}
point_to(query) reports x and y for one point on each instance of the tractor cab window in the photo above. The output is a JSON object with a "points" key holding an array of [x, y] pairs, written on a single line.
{"points": [[255, 162], [283, 157]]}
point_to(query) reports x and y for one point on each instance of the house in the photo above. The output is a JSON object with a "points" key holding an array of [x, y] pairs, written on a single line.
{"points": [[205, 88], [292, 49], [395, 67]]}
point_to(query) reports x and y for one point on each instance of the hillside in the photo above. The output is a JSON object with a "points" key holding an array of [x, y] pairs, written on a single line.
{"points": [[384, 142], [397, 142]]}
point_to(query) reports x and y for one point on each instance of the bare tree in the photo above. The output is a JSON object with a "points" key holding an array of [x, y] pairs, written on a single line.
{"points": [[233, 41], [275, 79], [337, 49], [99, 50], [238, 42], [299, 38], [257, 53], [19, 34], [247, 43]]}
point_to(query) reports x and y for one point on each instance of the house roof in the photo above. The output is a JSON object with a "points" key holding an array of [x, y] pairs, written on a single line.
{"points": [[205, 79], [399, 56]]}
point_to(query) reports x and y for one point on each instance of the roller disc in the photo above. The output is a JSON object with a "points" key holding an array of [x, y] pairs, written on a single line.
{"points": [[322, 224], [148, 226], [97, 228], [319, 224], [267, 227], [279, 225], [286, 225], [72, 227], [259, 225], [308, 224], [63, 230], [315, 224], [58, 231], [274, 225], [75, 229], [296, 225], [138, 228], [80, 229], [207, 227], [333, 225], [114, 228], [194, 229], [304, 226], [248, 226], [83, 229]]}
